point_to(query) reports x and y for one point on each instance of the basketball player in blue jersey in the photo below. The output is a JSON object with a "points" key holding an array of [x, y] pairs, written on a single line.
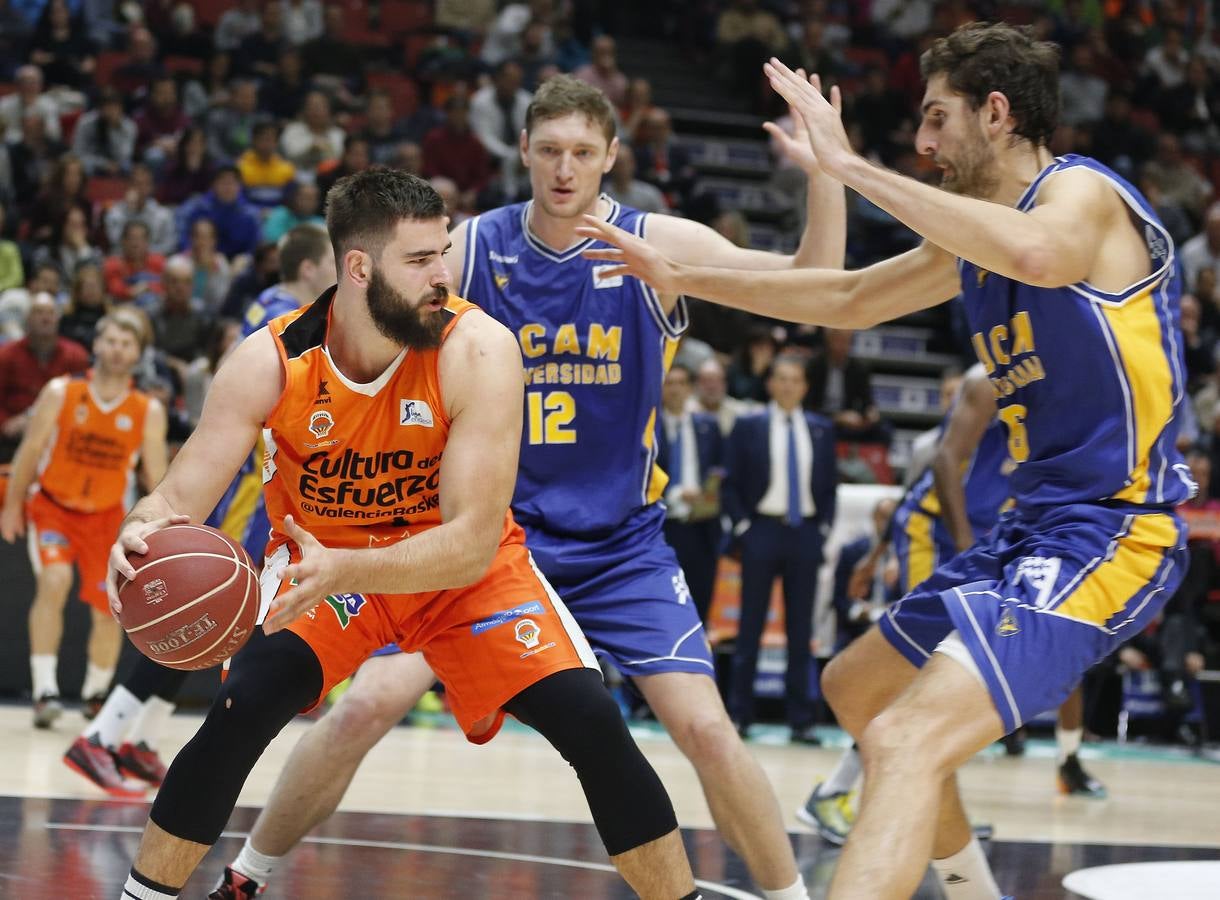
{"points": [[952, 506], [1071, 287], [595, 353], [307, 268]]}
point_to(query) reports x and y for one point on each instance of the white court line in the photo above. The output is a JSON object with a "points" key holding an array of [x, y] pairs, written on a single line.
{"points": [[722, 889]]}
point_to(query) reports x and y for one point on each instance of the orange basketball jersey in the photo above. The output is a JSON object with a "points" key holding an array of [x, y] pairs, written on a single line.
{"points": [[357, 465], [94, 448]]}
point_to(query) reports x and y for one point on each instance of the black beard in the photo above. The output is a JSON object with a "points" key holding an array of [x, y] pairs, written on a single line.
{"points": [[412, 326]]}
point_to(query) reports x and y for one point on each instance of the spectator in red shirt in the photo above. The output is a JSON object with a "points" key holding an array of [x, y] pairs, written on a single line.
{"points": [[134, 275], [453, 151], [28, 364]]}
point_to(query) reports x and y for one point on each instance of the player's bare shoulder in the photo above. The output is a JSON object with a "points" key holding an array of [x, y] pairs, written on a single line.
{"points": [[250, 378]]}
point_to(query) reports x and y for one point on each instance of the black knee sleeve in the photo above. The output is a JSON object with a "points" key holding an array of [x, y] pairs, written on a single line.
{"points": [[574, 711], [271, 680], [147, 679]]}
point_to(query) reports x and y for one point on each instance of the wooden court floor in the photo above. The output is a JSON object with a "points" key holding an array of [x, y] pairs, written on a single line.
{"points": [[431, 816]]}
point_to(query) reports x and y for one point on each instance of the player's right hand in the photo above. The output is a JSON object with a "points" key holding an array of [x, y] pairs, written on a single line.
{"points": [[633, 256], [12, 523], [796, 146], [131, 540]]}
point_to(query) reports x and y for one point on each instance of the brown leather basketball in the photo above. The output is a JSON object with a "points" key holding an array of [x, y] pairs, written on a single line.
{"points": [[194, 598]]}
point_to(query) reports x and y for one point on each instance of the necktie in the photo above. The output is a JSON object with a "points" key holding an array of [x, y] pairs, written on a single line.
{"points": [[675, 456], [794, 479]]}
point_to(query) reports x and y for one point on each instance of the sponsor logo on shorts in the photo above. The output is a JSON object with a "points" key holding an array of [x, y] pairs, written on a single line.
{"points": [[527, 632], [155, 591], [1040, 573], [346, 607], [1007, 625], [415, 412], [681, 590], [48, 539], [534, 607]]}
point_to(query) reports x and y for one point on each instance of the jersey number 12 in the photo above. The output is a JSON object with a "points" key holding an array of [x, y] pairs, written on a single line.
{"points": [[550, 417]]}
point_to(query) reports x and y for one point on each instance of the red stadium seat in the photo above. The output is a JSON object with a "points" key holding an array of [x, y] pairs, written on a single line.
{"points": [[402, 16], [67, 124], [103, 191]]}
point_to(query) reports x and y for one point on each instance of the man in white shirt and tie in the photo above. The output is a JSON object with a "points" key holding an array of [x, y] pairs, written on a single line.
{"points": [[779, 493], [691, 451]]}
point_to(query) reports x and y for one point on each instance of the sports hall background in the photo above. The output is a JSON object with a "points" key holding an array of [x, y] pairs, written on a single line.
{"points": [[135, 111]]}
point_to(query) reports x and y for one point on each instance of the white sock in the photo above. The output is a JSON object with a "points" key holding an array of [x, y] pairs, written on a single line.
{"points": [[253, 864], [794, 891], [149, 725], [42, 672], [140, 888], [114, 718], [844, 775], [966, 875], [97, 680], [1068, 740]]}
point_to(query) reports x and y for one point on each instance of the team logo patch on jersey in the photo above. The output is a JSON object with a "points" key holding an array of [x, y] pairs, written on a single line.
{"points": [[501, 280], [346, 606], [612, 282], [507, 615], [156, 591], [123, 422], [323, 394], [415, 412], [527, 632], [1007, 625], [81, 414], [320, 423]]}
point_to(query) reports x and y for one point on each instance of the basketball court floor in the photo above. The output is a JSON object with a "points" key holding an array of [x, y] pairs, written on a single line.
{"points": [[431, 816]]}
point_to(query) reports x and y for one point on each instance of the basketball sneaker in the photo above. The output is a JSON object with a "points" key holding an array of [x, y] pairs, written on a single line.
{"points": [[831, 816], [91, 706], [89, 758], [47, 709], [1075, 781], [236, 886], [140, 761]]}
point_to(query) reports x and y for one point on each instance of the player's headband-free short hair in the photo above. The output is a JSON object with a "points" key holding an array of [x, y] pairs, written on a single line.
{"points": [[300, 244], [128, 320], [363, 209], [563, 95]]}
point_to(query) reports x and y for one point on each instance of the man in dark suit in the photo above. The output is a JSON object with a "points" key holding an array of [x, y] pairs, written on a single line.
{"points": [[779, 492], [691, 451], [841, 389]]}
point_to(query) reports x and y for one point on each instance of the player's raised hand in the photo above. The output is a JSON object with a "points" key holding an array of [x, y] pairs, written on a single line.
{"points": [[822, 120], [632, 254], [315, 576], [131, 540], [12, 522], [796, 146]]}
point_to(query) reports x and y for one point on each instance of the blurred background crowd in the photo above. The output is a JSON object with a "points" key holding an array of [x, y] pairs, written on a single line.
{"points": [[154, 154]]}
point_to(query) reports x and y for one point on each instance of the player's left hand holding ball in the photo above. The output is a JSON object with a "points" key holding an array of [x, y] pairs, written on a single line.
{"points": [[317, 575], [131, 540]]}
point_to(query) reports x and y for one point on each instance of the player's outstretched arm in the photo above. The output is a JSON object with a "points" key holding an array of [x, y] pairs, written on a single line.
{"points": [[914, 280], [973, 412], [25, 462], [1054, 245]]}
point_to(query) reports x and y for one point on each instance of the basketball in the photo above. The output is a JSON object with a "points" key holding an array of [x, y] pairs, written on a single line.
{"points": [[194, 598]]}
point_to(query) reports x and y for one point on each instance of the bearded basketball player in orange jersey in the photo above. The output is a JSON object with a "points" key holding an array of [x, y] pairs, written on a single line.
{"points": [[391, 416], [79, 454]]}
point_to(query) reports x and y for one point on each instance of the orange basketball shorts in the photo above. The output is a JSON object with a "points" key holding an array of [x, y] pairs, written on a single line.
{"points": [[486, 642], [57, 534]]}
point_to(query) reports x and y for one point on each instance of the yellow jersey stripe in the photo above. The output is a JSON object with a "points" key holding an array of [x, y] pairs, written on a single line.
{"points": [[1136, 328], [921, 550], [1129, 570]]}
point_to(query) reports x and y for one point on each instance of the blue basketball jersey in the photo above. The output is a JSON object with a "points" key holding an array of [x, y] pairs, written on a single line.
{"points": [[595, 354], [273, 302], [985, 482], [1087, 382]]}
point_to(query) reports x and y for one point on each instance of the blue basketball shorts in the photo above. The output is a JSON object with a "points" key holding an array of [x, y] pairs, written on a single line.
{"points": [[628, 595], [1043, 597], [921, 543]]}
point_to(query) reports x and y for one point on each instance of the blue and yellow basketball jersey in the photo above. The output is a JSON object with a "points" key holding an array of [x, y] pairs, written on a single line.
{"points": [[1087, 382], [985, 482], [595, 354], [273, 302]]}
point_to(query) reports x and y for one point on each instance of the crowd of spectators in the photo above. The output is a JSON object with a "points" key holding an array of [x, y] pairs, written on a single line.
{"points": [[155, 152]]}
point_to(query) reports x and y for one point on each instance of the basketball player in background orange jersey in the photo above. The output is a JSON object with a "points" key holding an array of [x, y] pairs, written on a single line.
{"points": [[79, 453], [391, 416]]}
